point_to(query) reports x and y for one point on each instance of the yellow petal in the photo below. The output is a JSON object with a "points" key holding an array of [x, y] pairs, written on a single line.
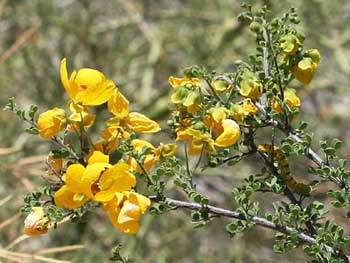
{"points": [[87, 86], [218, 113], [90, 177], [230, 135], [139, 144], [167, 150], [117, 178], [65, 198], [88, 77], [97, 94], [291, 98], [107, 147], [140, 123], [80, 114], [250, 86], [65, 81], [73, 177], [129, 212], [51, 122], [98, 157], [175, 82], [104, 196], [142, 201], [118, 105], [314, 54], [304, 70], [130, 227]]}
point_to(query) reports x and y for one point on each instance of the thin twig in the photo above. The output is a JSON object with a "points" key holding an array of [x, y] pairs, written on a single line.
{"points": [[304, 238]]}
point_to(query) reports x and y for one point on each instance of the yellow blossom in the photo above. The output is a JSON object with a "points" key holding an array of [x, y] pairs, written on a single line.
{"points": [[97, 181], [81, 116], [88, 86], [81, 183], [250, 86], [290, 99], [243, 109], [51, 122], [290, 44], [166, 150], [142, 124], [230, 134], [66, 198], [215, 117], [186, 93], [125, 210], [149, 159], [221, 86], [199, 142], [176, 82], [36, 223], [115, 179], [119, 106], [304, 70], [110, 141]]}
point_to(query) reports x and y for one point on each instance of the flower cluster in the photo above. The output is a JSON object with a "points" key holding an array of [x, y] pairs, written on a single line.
{"points": [[204, 127], [93, 177]]}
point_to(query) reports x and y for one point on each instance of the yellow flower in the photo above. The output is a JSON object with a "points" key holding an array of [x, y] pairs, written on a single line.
{"points": [[142, 124], [138, 122], [88, 86], [110, 141], [66, 198], [107, 147], [115, 179], [176, 82], [118, 105], [81, 115], [125, 210], [51, 122], [304, 70], [250, 86], [81, 183], [186, 93], [243, 109], [215, 117], [221, 86], [230, 134], [149, 159], [290, 99], [97, 181], [290, 44], [36, 223], [166, 150], [199, 142]]}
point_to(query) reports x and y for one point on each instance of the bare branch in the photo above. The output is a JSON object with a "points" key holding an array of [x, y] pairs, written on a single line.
{"points": [[304, 238]]}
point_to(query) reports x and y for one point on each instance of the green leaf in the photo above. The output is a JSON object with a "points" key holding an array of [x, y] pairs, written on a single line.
{"points": [[330, 151], [32, 110], [337, 144], [32, 130]]}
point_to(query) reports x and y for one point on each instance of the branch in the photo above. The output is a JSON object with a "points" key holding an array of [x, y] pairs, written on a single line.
{"points": [[311, 154], [304, 238], [57, 141]]}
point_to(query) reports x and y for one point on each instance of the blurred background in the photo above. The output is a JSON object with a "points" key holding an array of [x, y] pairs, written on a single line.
{"points": [[139, 44]]}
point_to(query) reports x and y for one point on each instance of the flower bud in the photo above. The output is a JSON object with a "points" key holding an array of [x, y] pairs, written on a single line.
{"points": [[36, 222], [51, 122]]}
